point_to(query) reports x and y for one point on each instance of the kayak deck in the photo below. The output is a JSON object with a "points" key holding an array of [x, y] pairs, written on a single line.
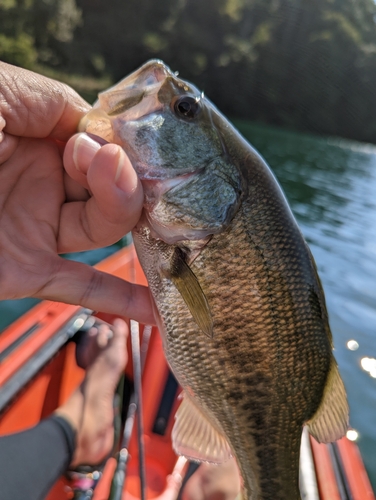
{"points": [[38, 373]]}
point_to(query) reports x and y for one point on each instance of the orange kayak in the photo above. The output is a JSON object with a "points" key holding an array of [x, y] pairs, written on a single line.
{"points": [[38, 373]]}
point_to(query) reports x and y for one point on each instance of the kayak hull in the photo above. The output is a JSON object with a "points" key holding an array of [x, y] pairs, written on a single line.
{"points": [[38, 373]]}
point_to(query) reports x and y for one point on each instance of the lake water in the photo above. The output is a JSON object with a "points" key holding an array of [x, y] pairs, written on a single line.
{"points": [[331, 187]]}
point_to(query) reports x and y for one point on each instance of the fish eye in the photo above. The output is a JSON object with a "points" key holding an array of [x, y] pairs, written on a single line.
{"points": [[187, 107]]}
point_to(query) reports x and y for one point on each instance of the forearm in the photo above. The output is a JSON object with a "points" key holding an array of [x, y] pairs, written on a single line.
{"points": [[31, 461]]}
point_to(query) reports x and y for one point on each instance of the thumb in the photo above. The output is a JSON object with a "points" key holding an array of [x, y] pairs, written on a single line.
{"points": [[33, 105]]}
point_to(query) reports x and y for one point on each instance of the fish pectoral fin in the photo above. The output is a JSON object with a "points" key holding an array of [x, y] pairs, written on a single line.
{"points": [[189, 288], [195, 437], [331, 420]]}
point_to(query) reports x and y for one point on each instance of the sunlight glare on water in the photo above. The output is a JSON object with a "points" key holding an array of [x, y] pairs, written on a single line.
{"points": [[352, 345], [352, 435]]}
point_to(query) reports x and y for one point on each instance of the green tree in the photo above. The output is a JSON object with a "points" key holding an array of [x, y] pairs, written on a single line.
{"points": [[298, 63], [34, 30]]}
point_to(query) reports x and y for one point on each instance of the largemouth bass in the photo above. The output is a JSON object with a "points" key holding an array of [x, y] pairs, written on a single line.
{"points": [[239, 302]]}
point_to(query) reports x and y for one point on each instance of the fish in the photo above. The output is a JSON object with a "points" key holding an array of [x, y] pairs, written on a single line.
{"points": [[238, 299]]}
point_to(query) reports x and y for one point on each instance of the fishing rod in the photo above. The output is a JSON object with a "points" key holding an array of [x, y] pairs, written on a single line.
{"points": [[137, 373], [135, 409]]}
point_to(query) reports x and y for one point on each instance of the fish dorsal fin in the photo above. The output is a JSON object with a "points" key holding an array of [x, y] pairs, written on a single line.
{"points": [[189, 288], [331, 420], [195, 437]]}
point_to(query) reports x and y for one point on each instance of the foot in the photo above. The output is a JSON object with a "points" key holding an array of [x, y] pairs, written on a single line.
{"points": [[213, 482], [90, 408]]}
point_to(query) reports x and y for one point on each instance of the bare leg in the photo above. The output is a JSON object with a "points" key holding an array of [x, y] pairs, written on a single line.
{"points": [[213, 482], [90, 408]]}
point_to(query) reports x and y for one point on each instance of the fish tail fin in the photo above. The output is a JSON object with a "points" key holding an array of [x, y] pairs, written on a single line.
{"points": [[331, 420]]}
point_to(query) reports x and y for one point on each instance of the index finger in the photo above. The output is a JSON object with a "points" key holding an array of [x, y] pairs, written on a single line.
{"points": [[33, 105]]}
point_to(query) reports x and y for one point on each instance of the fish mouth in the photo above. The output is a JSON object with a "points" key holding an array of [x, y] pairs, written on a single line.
{"points": [[151, 73], [132, 98], [139, 88], [145, 92]]}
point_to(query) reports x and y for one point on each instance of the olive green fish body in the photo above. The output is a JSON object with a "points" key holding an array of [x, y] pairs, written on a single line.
{"points": [[240, 306], [263, 373]]}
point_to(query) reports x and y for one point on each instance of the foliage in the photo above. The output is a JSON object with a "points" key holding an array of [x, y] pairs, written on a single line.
{"points": [[42, 25], [297, 63], [19, 50]]}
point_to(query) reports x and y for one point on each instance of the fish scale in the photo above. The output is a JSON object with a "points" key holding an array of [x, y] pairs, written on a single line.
{"points": [[189, 354], [256, 322], [239, 304]]}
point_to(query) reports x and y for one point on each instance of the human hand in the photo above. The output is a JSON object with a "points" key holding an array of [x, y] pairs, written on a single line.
{"points": [[44, 212]]}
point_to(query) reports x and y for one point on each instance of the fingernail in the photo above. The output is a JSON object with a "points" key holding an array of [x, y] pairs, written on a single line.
{"points": [[83, 152], [125, 178], [2, 126]]}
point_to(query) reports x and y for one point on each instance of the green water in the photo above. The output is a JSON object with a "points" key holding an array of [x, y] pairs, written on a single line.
{"points": [[331, 187]]}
